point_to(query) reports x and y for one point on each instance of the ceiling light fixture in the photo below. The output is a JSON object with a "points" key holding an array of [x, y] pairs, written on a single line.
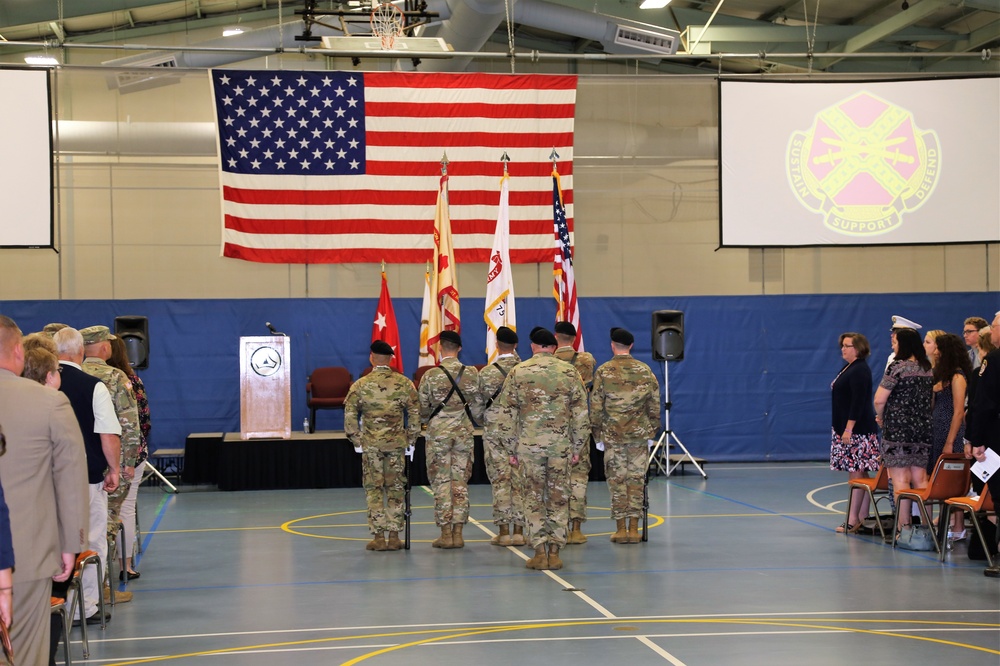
{"points": [[40, 60], [232, 30], [654, 4]]}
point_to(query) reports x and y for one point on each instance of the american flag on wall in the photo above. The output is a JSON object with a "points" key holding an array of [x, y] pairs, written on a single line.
{"points": [[337, 167]]}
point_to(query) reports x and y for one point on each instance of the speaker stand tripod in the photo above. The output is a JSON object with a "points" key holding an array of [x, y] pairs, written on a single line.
{"points": [[659, 454], [151, 471]]}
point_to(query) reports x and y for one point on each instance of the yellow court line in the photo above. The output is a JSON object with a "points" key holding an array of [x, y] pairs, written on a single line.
{"points": [[462, 633], [660, 520]]}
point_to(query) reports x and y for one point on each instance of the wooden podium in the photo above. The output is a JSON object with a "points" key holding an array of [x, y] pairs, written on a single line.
{"points": [[265, 387]]}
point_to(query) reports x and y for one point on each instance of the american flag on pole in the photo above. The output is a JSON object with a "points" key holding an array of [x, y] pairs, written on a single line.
{"points": [[564, 283], [331, 167]]}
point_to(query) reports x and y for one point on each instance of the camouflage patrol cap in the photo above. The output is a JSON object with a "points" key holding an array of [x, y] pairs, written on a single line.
{"points": [[622, 337], [506, 336], [565, 328], [543, 337], [382, 348], [53, 328], [94, 334], [452, 337]]}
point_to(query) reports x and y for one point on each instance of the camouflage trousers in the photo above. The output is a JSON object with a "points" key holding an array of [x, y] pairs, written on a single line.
{"points": [[625, 469], [449, 468], [115, 501], [579, 478], [384, 478], [505, 480], [546, 497]]}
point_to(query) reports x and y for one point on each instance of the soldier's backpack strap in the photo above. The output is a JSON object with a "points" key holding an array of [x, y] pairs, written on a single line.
{"points": [[455, 389], [587, 385], [499, 388]]}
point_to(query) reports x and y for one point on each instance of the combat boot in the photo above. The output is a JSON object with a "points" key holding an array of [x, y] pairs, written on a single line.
{"points": [[378, 543], [517, 539], [633, 530], [541, 559], [502, 539], [575, 535], [393, 543], [554, 561], [620, 536], [444, 541], [456, 536]]}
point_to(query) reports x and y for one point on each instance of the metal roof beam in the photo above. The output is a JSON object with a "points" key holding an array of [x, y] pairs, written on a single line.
{"points": [[881, 31]]}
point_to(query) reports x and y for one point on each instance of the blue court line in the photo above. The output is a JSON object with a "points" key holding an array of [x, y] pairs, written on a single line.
{"points": [[160, 512]]}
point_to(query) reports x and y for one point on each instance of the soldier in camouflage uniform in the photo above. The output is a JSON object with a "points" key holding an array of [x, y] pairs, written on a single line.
{"points": [[624, 415], [507, 508], [543, 426], [448, 408], [97, 350], [580, 473], [374, 412]]}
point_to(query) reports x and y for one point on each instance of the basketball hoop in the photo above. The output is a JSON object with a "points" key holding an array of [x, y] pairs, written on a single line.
{"points": [[387, 24]]}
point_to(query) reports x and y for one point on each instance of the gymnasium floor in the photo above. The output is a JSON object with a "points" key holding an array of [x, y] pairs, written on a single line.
{"points": [[741, 568]]}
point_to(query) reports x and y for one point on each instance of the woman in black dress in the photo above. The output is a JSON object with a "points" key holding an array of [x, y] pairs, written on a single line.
{"points": [[903, 409], [854, 444]]}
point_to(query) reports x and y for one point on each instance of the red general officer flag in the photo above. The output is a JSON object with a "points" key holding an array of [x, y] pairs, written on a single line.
{"points": [[385, 328]]}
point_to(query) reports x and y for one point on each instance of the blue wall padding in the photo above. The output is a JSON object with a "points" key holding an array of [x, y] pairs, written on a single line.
{"points": [[754, 383]]}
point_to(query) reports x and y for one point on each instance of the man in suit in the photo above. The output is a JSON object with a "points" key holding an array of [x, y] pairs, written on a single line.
{"points": [[45, 482]]}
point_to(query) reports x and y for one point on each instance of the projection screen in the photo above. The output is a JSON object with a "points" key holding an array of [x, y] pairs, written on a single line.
{"points": [[879, 163], [26, 167]]}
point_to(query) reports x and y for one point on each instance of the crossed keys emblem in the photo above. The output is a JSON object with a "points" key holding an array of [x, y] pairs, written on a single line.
{"points": [[862, 164]]}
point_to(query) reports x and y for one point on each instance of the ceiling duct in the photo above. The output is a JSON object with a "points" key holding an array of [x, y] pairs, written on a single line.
{"points": [[131, 80], [664, 41]]}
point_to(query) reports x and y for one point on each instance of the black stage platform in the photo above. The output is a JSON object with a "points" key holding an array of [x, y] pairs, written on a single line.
{"points": [[323, 459]]}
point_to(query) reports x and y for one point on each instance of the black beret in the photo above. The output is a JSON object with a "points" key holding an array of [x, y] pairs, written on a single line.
{"points": [[381, 347], [543, 337], [566, 328], [452, 337], [506, 336], [622, 337]]}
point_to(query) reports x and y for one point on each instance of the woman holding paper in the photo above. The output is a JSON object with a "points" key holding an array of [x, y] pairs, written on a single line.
{"points": [[984, 419]]}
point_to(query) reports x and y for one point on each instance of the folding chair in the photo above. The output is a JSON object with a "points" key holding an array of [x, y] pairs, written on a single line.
{"points": [[58, 607], [879, 484], [950, 479], [972, 506], [85, 558]]}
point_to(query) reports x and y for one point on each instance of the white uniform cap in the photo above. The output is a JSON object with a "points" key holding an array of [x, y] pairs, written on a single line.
{"points": [[903, 322]]}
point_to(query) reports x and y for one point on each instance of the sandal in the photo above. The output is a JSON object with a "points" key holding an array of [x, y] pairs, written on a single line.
{"points": [[848, 528]]}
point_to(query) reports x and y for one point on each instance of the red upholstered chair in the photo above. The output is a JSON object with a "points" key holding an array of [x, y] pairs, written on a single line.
{"points": [[420, 373], [326, 388]]}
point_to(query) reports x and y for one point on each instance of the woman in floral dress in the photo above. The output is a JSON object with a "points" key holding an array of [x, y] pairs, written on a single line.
{"points": [[903, 409]]}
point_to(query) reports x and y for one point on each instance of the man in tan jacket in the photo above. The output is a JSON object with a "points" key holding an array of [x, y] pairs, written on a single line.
{"points": [[44, 476]]}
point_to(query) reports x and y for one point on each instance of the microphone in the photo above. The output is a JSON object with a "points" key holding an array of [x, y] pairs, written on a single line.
{"points": [[272, 329]]}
